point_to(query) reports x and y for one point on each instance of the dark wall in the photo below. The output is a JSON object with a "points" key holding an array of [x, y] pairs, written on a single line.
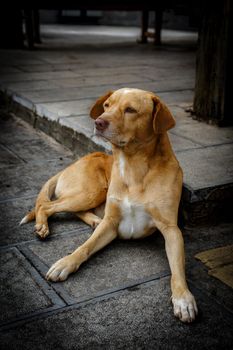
{"points": [[171, 20]]}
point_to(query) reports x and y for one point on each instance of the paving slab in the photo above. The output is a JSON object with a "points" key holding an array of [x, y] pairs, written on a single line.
{"points": [[8, 157], [40, 151], [106, 79], [59, 94], [82, 123], [15, 129], [20, 294], [20, 141], [120, 264], [206, 136], [184, 97], [12, 212], [113, 72], [38, 76], [138, 318], [207, 167], [65, 108], [26, 180], [164, 85], [50, 67], [37, 85], [180, 144]]}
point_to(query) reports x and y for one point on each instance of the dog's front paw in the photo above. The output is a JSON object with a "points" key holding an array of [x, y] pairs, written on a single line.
{"points": [[61, 269], [185, 307]]}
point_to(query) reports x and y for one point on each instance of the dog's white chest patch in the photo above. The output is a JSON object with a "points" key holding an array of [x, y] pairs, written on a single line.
{"points": [[122, 165], [135, 221]]}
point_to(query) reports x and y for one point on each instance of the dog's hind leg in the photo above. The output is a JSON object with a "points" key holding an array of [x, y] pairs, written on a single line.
{"points": [[80, 205], [44, 200]]}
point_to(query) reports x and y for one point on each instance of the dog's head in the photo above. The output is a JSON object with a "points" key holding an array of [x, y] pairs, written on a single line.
{"points": [[130, 115]]}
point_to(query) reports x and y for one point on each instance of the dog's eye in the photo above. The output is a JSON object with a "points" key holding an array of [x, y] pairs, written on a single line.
{"points": [[130, 110], [106, 105]]}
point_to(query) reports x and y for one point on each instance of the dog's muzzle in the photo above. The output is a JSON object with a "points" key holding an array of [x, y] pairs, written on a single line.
{"points": [[101, 124]]}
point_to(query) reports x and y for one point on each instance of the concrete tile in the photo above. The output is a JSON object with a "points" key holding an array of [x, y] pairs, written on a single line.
{"points": [[109, 71], [60, 57], [46, 67], [19, 292], [204, 134], [25, 144], [8, 158], [39, 151], [101, 80], [180, 114], [14, 210], [38, 76], [82, 123], [207, 167], [15, 129], [27, 180], [180, 144], [59, 95], [43, 111], [37, 85], [169, 97], [167, 73], [177, 97], [159, 86], [66, 108], [138, 318], [120, 263]]}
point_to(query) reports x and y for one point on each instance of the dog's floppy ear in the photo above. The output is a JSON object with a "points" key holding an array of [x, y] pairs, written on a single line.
{"points": [[163, 119], [97, 109]]}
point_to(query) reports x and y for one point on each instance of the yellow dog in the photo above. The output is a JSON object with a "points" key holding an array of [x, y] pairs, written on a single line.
{"points": [[140, 186]]}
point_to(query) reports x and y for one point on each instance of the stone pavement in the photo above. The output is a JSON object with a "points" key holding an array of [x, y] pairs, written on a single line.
{"points": [[54, 86], [120, 298]]}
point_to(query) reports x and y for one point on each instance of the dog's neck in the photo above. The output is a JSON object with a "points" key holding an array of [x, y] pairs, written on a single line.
{"points": [[135, 160], [157, 146]]}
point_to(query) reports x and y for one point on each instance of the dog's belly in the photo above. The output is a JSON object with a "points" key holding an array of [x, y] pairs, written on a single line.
{"points": [[135, 221]]}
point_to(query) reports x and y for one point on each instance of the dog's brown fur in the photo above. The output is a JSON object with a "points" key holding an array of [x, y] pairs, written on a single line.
{"points": [[141, 184]]}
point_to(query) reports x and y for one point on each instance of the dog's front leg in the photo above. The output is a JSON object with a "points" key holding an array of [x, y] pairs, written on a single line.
{"points": [[103, 235], [184, 304]]}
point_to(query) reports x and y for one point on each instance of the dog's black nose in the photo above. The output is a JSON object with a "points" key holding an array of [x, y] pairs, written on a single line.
{"points": [[101, 124]]}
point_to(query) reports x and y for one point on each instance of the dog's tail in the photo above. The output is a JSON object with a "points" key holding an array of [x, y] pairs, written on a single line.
{"points": [[29, 217], [45, 195]]}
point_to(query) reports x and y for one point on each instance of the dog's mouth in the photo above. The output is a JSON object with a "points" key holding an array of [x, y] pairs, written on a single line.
{"points": [[110, 136]]}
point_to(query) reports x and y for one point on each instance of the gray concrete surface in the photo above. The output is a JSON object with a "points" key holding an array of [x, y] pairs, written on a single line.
{"points": [[54, 86], [120, 298]]}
